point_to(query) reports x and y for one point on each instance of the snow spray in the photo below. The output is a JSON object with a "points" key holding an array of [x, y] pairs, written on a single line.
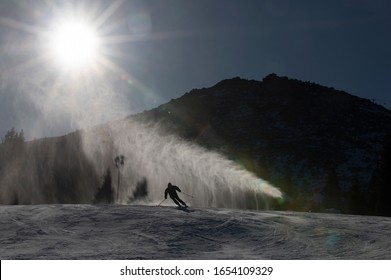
{"points": [[158, 157]]}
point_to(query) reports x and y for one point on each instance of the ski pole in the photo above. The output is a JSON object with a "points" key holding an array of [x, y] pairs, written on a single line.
{"points": [[161, 202], [188, 194]]}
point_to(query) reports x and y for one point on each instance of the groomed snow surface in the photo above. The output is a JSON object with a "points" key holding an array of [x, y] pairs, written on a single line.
{"points": [[151, 232]]}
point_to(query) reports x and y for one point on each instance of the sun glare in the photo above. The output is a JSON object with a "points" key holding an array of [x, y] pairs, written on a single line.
{"points": [[74, 44]]}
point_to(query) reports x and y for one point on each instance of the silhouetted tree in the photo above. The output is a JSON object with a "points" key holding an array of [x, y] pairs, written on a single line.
{"points": [[119, 162], [356, 204], [12, 144], [12, 162], [105, 193], [141, 190], [289, 189], [373, 197], [12, 136], [12, 147], [332, 192], [380, 183]]}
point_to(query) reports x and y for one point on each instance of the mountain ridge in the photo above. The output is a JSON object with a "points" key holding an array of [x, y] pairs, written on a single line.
{"points": [[324, 148], [286, 125]]}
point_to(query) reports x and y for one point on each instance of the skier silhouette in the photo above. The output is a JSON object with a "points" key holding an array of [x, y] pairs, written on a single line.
{"points": [[171, 191]]}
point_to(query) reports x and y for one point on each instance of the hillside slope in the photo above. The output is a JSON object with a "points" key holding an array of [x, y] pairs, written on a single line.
{"points": [[310, 140]]}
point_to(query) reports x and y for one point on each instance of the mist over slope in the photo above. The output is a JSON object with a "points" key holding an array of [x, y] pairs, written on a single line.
{"points": [[143, 232], [70, 169], [155, 157]]}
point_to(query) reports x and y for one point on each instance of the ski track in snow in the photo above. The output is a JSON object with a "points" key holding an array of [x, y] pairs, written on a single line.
{"points": [[150, 232]]}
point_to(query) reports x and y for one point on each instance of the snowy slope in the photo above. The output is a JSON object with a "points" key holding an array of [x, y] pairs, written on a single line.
{"points": [[150, 232]]}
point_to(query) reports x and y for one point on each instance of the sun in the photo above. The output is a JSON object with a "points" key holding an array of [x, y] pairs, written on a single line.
{"points": [[74, 44], [82, 41]]}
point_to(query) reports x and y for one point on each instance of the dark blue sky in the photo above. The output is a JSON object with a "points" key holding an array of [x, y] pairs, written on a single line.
{"points": [[168, 47]]}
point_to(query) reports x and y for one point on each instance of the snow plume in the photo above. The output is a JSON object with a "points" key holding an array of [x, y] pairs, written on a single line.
{"points": [[156, 158]]}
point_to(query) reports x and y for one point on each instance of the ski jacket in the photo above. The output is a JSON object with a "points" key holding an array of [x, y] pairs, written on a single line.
{"points": [[171, 190]]}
